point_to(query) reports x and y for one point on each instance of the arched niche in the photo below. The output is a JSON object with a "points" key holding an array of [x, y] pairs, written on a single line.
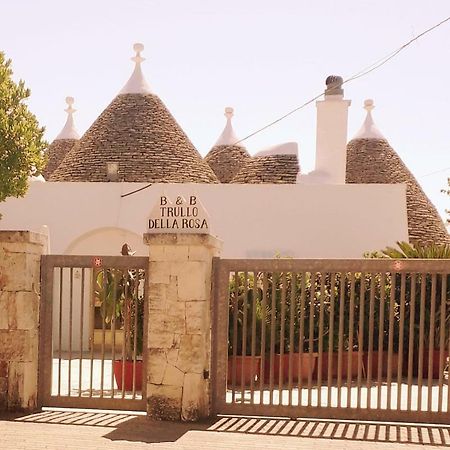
{"points": [[106, 241]]}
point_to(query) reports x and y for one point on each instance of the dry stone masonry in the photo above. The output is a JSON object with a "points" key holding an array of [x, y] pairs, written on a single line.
{"points": [[20, 253], [277, 169], [226, 161], [134, 139], [137, 132], [375, 161], [56, 152], [179, 325]]}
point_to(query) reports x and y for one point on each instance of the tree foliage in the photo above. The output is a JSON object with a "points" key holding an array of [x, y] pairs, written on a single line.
{"points": [[406, 250], [21, 137]]}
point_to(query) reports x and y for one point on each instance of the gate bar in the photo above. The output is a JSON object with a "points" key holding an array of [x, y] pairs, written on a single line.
{"points": [[48, 274]]}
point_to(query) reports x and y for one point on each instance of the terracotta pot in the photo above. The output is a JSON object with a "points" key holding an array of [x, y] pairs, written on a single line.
{"points": [[384, 364], [334, 365], [250, 365], [303, 363], [435, 362], [128, 381]]}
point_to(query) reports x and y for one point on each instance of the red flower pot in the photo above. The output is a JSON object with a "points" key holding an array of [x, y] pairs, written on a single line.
{"points": [[435, 362], [344, 369], [384, 364], [303, 364], [250, 365], [128, 379]]}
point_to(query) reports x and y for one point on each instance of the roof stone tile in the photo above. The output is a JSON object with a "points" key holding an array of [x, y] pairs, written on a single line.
{"points": [[138, 132], [226, 161], [375, 161], [56, 152], [272, 169]]}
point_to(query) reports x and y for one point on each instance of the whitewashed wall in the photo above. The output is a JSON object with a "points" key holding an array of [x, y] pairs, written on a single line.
{"points": [[303, 221], [81, 324]]}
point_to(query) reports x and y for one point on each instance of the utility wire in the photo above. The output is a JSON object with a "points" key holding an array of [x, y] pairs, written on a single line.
{"points": [[374, 66], [435, 172], [136, 190], [387, 58], [357, 75]]}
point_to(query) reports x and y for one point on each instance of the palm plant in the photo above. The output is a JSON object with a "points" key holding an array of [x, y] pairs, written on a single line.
{"points": [[406, 250], [424, 284], [121, 304]]}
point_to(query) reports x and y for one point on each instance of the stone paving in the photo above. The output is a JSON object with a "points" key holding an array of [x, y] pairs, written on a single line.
{"points": [[395, 389], [385, 393], [82, 429], [86, 381]]}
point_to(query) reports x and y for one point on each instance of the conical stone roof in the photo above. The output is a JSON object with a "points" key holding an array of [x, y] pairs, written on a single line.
{"points": [[226, 161], [373, 160], [272, 169], [56, 152], [63, 143], [138, 136], [227, 156]]}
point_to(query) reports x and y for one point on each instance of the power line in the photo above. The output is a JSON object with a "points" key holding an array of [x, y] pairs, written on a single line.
{"points": [[136, 190], [387, 58], [377, 64], [435, 172], [361, 73]]}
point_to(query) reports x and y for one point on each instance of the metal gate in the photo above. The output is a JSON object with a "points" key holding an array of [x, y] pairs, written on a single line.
{"points": [[92, 331], [342, 339]]}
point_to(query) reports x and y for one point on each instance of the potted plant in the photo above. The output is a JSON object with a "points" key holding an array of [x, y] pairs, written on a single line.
{"points": [[379, 357], [243, 308], [441, 303], [340, 342], [289, 360], [441, 323], [120, 296]]}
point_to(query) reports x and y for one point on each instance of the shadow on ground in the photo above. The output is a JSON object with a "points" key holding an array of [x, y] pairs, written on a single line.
{"points": [[138, 428], [124, 427], [438, 435]]}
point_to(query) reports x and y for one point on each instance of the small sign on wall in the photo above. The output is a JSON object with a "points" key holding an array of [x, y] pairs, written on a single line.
{"points": [[178, 215], [97, 262]]}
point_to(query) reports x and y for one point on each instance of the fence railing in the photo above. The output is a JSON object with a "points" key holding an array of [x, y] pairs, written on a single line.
{"points": [[370, 335], [92, 322]]}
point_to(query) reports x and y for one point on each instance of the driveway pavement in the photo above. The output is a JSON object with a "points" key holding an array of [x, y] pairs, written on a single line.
{"points": [[62, 429]]}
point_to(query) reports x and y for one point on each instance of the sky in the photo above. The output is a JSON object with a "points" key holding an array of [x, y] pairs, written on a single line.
{"points": [[261, 57]]}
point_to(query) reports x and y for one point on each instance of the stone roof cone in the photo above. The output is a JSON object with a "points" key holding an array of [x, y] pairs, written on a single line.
{"points": [[227, 156], [276, 165], [65, 140], [272, 169], [370, 159], [135, 139]]}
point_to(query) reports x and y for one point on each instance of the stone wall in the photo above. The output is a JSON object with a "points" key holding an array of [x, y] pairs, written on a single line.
{"points": [[20, 253], [179, 325]]}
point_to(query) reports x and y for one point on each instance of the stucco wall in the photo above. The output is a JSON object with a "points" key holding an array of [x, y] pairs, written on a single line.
{"points": [[61, 309], [304, 221]]}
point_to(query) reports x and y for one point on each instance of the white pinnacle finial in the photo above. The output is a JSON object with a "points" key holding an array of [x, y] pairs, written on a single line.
{"points": [[137, 83], [368, 104], [138, 48], [369, 129], [69, 131], [70, 101], [229, 112], [228, 137]]}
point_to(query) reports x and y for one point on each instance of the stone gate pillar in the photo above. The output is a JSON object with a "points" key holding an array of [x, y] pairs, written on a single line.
{"points": [[179, 325], [20, 256]]}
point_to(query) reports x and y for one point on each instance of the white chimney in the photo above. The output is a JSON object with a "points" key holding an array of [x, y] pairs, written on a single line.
{"points": [[331, 138]]}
